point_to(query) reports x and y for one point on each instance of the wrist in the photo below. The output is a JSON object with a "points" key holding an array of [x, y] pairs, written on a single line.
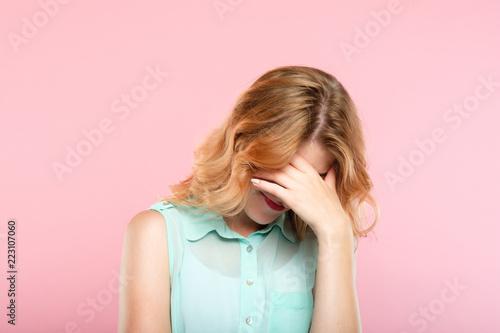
{"points": [[331, 233]]}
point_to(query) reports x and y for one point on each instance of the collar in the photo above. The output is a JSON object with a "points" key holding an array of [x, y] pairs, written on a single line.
{"points": [[198, 224]]}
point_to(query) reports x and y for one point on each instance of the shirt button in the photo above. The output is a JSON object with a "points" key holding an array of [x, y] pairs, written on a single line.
{"points": [[249, 320], [249, 282], [249, 248]]}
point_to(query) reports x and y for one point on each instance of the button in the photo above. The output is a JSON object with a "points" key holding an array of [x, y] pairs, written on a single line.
{"points": [[249, 282], [249, 320], [249, 248]]}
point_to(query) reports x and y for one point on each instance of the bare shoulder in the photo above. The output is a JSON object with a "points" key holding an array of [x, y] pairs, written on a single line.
{"points": [[147, 222], [146, 241], [144, 301]]}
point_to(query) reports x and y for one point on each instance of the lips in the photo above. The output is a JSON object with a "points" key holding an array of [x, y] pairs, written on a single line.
{"points": [[272, 204]]}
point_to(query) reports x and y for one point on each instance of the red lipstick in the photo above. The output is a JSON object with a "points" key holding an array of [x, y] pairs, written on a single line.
{"points": [[272, 204]]}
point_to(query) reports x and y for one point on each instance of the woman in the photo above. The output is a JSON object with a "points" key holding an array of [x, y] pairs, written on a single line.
{"points": [[262, 236]]}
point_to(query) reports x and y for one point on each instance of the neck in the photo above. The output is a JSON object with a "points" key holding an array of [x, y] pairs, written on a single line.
{"points": [[242, 225]]}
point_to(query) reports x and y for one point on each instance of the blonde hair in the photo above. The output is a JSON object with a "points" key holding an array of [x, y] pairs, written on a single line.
{"points": [[283, 109]]}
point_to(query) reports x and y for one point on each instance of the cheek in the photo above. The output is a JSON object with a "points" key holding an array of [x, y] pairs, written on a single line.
{"points": [[254, 202], [257, 209]]}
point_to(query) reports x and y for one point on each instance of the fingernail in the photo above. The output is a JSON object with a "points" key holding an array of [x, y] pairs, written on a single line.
{"points": [[255, 181]]}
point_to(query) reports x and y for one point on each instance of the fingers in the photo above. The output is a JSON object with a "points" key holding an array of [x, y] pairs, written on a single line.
{"points": [[271, 188], [297, 170], [279, 177], [292, 171], [301, 164], [330, 178]]}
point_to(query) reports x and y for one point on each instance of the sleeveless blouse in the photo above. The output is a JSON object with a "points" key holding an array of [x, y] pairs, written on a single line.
{"points": [[223, 282]]}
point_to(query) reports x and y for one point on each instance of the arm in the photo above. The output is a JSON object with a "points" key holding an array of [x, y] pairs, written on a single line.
{"points": [[316, 201], [335, 302], [144, 299]]}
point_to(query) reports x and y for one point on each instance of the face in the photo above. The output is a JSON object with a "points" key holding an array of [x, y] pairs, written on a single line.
{"points": [[263, 208]]}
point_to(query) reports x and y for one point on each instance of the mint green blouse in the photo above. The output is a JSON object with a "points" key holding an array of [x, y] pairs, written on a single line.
{"points": [[223, 282]]}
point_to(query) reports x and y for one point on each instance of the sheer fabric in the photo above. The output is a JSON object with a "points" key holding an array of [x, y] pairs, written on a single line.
{"points": [[224, 282]]}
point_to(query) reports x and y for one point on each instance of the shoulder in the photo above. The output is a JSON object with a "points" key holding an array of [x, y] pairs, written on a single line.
{"points": [[144, 270], [145, 239], [147, 226], [146, 233], [146, 222]]}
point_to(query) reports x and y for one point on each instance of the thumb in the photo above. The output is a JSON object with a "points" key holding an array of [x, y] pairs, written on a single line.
{"points": [[330, 178]]}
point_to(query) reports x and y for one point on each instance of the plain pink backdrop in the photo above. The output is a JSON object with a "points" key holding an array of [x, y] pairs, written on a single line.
{"points": [[409, 66]]}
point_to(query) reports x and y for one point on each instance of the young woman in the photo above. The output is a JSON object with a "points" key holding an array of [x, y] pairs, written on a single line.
{"points": [[262, 236]]}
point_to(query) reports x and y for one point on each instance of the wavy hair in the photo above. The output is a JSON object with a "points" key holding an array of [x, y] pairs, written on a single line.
{"points": [[283, 109]]}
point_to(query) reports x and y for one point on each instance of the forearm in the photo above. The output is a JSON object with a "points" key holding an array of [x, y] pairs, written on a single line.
{"points": [[335, 305]]}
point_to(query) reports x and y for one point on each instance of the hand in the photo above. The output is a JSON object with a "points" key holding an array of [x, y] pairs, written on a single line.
{"points": [[300, 188]]}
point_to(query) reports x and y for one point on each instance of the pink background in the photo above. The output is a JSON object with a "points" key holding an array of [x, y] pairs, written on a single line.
{"points": [[433, 265]]}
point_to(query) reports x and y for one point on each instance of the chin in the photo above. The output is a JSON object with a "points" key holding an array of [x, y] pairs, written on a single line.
{"points": [[258, 211], [263, 216], [264, 220]]}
